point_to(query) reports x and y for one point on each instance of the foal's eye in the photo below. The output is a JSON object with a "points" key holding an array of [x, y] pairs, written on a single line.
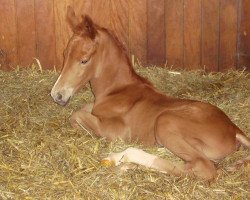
{"points": [[84, 61]]}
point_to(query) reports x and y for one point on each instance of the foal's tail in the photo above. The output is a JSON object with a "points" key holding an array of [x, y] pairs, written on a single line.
{"points": [[245, 141]]}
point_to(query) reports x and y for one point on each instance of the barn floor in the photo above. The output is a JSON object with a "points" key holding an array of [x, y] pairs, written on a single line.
{"points": [[42, 157]]}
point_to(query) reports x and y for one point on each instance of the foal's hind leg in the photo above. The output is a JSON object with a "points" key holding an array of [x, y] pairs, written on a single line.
{"points": [[168, 135], [140, 157]]}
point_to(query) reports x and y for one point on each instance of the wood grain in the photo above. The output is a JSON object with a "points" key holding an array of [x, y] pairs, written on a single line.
{"points": [[244, 36], [174, 33], [26, 30], [186, 34], [101, 12], [210, 34], [83, 7], [62, 30], [138, 29], [228, 34], [119, 20], [156, 51], [8, 37], [192, 34], [45, 32]]}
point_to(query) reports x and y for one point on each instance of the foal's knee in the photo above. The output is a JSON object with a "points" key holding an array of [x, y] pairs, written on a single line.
{"points": [[74, 120]]}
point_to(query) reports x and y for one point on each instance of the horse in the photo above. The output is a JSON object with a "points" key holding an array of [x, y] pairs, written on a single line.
{"points": [[128, 107]]}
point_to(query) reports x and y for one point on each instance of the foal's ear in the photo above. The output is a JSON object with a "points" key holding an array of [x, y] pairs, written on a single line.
{"points": [[89, 26], [71, 18]]}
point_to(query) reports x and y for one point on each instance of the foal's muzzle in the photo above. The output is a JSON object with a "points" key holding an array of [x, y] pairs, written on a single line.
{"points": [[61, 97], [61, 94], [58, 98]]}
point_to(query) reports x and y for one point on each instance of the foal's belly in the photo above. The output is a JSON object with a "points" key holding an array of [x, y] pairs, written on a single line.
{"points": [[141, 122]]}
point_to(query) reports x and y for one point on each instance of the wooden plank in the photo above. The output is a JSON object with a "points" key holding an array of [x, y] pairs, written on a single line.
{"points": [[174, 33], [8, 46], [83, 7], [45, 32], [192, 34], [244, 36], [101, 12], [62, 30], [138, 29], [119, 20], [156, 51], [228, 34], [210, 34], [26, 31]]}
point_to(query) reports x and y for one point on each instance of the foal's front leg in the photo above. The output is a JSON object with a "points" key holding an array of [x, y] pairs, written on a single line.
{"points": [[88, 107], [83, 119]]}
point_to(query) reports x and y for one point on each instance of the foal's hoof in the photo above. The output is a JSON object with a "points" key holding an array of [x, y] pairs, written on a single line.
{"points": [[107, 163], [114, 159]]}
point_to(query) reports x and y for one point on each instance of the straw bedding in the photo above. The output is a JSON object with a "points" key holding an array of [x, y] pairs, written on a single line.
{"points": [[42, 157]]}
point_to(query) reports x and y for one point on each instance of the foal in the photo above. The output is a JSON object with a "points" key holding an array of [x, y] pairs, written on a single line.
{"points": [[128, 107]]}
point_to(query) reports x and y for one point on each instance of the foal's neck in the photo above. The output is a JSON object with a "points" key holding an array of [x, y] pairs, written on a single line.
{"points": [[115, 71], [113, 77]]}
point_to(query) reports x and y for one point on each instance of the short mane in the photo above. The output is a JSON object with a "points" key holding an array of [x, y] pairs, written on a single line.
{"points": [[114, 37]]}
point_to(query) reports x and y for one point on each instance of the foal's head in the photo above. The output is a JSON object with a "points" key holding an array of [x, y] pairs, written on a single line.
{"points": [[79, 58]]}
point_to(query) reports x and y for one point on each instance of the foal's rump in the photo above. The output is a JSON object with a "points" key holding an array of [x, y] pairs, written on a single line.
{"points": [[202, 125]]}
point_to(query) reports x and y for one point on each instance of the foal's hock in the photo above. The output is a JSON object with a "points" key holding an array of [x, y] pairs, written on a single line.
{"points": [[127, 106]]}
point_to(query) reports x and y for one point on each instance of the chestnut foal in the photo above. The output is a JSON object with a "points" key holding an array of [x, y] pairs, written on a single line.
{"points": [[128, 107]]}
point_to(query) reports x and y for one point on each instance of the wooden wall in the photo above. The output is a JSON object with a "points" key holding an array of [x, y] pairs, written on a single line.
{"points": [[187, 34]]}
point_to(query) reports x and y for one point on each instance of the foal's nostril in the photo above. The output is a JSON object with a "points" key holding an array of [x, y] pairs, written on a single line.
{"points": [[58, 97]]}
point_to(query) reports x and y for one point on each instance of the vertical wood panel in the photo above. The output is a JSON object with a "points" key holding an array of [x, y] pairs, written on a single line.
{"points": [[26, 31], [114, 16], [192, 34], [101, 13], [45, 32], [174, 33], [8, 45], [83, 7], [210, 34], [62, 29], [156, 32], [228, 34], [188, 33], [138, 29], [244, 36], [119, 20]]}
